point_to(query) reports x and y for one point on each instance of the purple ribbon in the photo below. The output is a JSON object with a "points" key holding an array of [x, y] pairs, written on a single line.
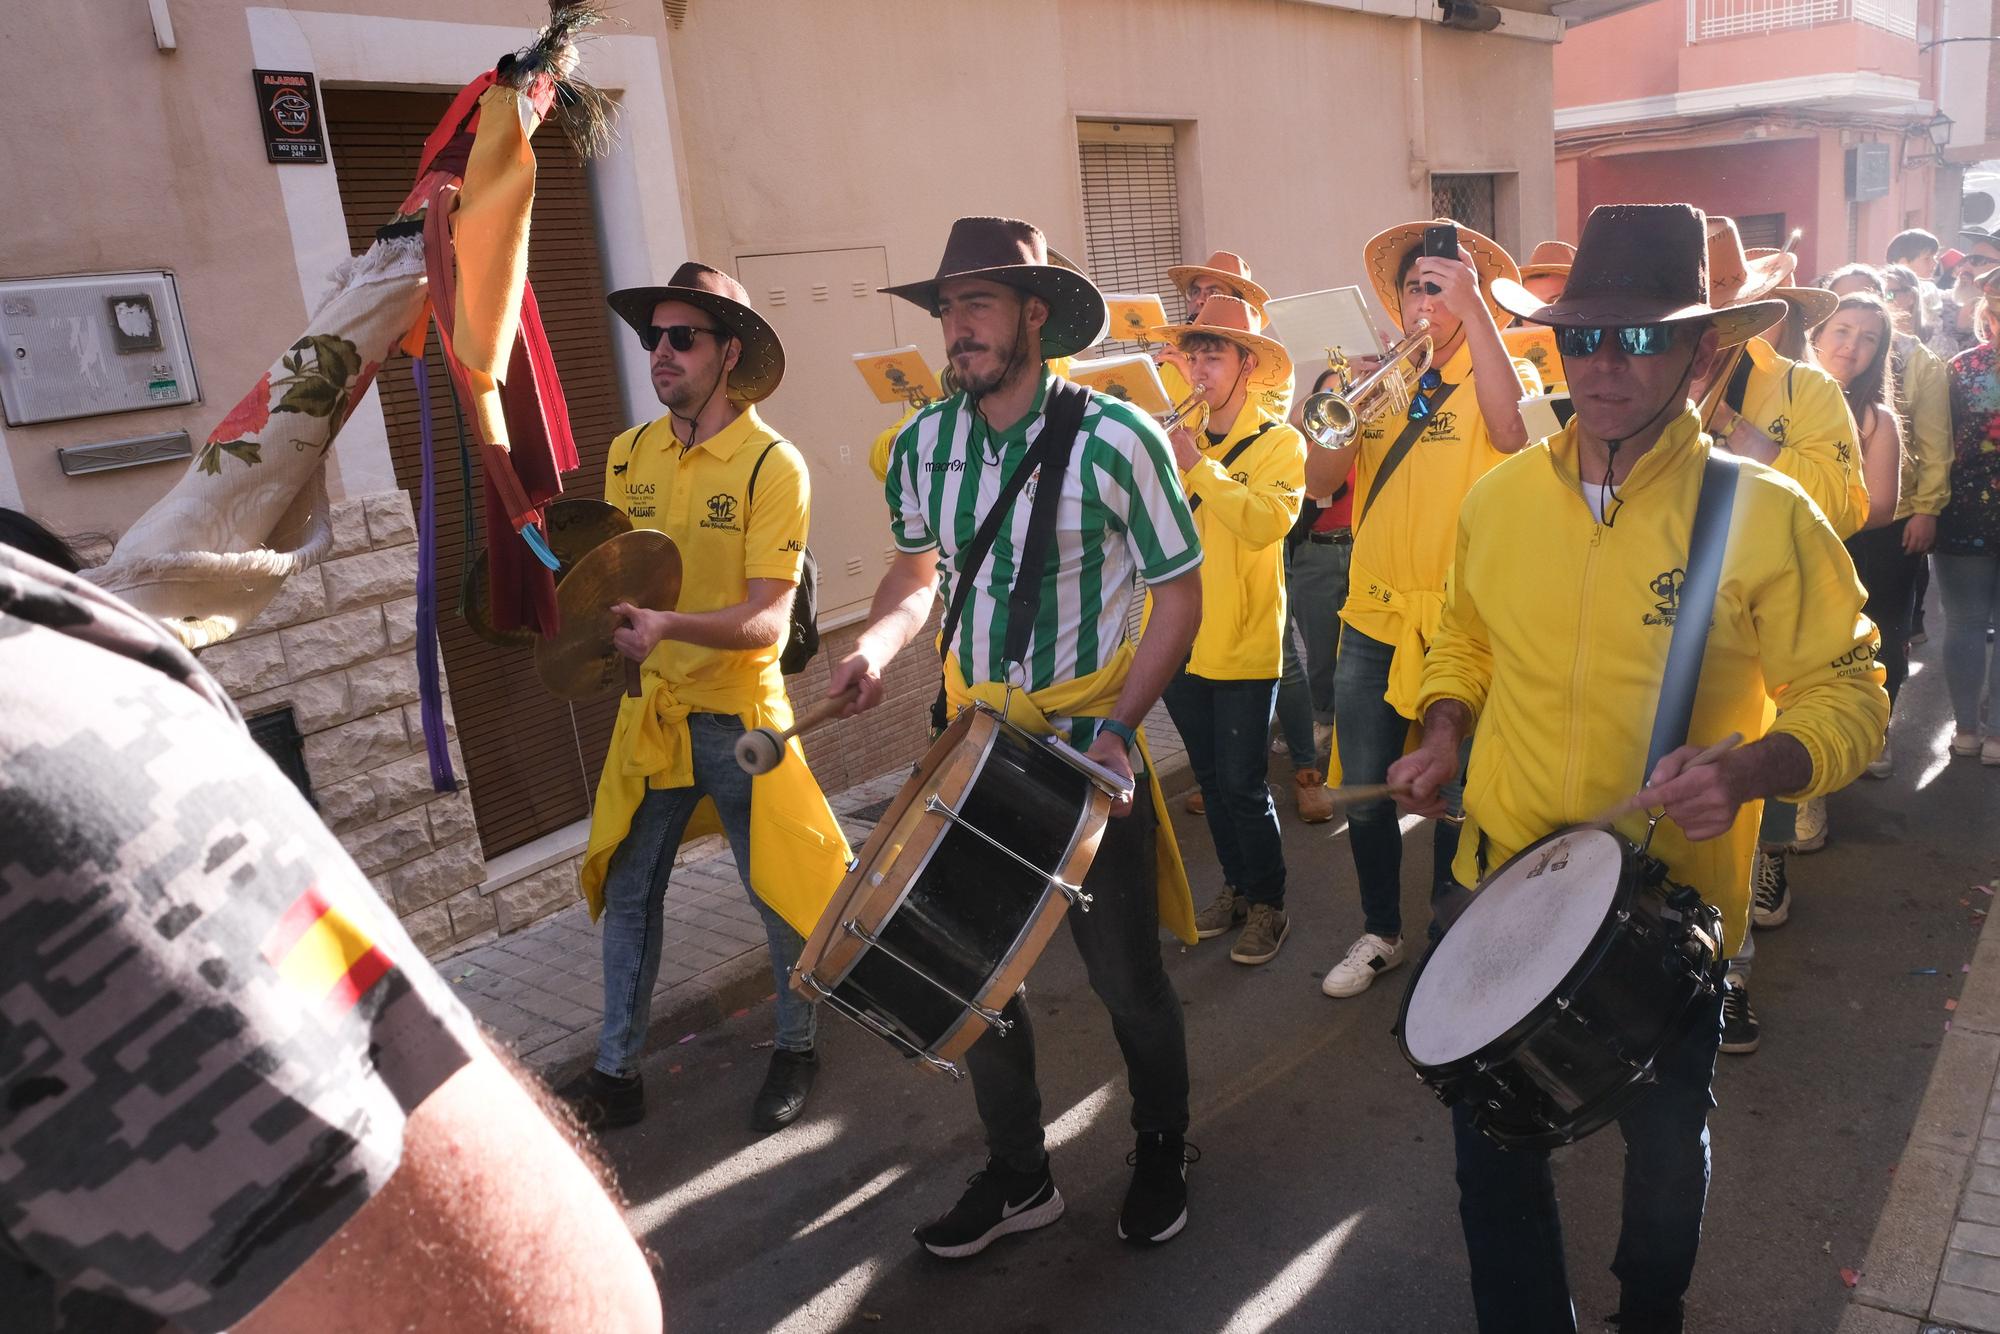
{"points": [[430, 692]]}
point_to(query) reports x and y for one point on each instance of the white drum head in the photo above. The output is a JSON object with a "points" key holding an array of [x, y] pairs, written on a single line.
{"points": [[1521, 935]]}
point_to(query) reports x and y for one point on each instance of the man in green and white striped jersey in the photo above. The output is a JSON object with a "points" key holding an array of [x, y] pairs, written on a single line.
{"points": [[1121, 520]]}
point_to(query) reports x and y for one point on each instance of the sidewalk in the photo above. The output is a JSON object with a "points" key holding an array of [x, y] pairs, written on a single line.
{"points": [[1934, 1264], [542, 988]]}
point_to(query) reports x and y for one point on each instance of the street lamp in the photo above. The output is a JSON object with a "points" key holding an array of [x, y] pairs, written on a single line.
{"points": [[1938, 131]]}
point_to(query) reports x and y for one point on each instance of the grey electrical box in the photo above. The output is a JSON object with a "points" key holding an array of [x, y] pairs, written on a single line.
{"points": [[1867, 172], [92, 344]]}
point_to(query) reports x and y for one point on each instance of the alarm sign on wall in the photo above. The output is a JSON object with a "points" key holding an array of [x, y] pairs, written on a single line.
{"points": [[288, 107]]}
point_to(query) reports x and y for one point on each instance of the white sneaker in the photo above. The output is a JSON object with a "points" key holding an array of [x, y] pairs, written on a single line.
{"points": [[1810, 835], [1881, 766], [1989, 751], [1367, 958], [1965, 743]]}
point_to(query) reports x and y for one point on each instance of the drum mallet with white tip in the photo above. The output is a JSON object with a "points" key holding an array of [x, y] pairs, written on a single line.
{"points": [[762, 749]]}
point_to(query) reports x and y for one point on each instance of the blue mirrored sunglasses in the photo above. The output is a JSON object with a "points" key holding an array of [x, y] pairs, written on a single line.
{"points": [[1427, 385], [1634, 340]]}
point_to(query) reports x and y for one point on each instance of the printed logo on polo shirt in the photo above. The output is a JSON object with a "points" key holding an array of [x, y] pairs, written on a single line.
{"points": [[618, 469], [639, 500], [1779, 425], [794, 545], [1443, 425], [944, 465], [1856, 661], [722, 513], [1666, 587], [1240, 478]]}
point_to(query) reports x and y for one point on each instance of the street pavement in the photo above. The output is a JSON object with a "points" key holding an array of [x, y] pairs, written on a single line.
{"points": [[1324, 1199]]}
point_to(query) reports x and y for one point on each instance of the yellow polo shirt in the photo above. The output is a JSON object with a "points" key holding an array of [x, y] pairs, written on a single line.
{"points": [[1801, 407], [1243, 512], [699, 497]]}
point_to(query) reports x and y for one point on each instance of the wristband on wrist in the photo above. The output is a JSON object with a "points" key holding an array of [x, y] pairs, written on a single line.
{"points": [[1121, 731]]}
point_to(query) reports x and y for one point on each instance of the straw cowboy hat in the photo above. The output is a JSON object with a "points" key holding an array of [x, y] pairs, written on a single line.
{"points": [[761, 364], [1383, 255], [1014, 253], [1816, 304], [1226, 267], [1238, 321], [1549, 259], [1641, 264]]}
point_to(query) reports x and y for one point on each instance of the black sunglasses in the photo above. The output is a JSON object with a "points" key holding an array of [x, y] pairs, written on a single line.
{"points": [[1634, 340], [680, 337]]}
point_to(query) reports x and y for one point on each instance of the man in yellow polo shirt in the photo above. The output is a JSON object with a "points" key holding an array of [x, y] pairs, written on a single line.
{"points": [[1243, 479], [735, 498], [1411, 470], [1555, 639]]}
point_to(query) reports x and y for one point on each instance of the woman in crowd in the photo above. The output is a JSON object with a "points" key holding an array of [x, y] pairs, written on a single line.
{"points": [[1968, 545]]}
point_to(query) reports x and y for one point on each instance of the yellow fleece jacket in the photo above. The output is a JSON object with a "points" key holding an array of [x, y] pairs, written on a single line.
{"points": [[1555, 635], [1242, 513], [1802, 408]]}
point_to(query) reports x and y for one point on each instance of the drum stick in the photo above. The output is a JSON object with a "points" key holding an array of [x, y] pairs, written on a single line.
{"points": [[1640, 801], [1351, 796], [762, 749], [632, 678]]}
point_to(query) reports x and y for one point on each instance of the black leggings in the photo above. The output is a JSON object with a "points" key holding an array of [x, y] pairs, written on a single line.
{"points": [[1889, 574]]}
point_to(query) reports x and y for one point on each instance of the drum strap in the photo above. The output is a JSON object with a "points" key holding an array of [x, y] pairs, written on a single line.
{"points": [[1050, 453], [1694, 609]]}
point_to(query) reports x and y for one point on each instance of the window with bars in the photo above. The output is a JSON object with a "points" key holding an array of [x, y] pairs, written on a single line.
{"points": [[1466, 199], [1761, 229], [1131, 210]]}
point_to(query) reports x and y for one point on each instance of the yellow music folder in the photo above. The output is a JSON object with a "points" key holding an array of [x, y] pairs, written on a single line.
{"points": [[1132, 378], [1133, 318], [1536, 345], [899, 376]]}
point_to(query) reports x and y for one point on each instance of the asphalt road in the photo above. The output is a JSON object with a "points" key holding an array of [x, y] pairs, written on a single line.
{"points": [[1324, 1199]]}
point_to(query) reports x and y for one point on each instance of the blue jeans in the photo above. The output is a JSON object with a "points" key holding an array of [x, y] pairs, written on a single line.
{"points": [[1970, 586], [1315, 586], [1513, 1230], [1119, 939], [1224, 725], [1370, 734], [635, 888]]}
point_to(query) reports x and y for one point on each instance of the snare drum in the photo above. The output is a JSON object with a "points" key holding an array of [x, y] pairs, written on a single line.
{"points": [[956, 893], [1546, 1003]]}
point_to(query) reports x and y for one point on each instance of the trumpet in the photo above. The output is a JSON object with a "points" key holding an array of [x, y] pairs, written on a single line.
{"points": [[1191, 412], [1335, 417]]}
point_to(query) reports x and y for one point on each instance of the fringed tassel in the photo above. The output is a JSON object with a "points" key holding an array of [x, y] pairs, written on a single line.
{"points": [[430, 689]]}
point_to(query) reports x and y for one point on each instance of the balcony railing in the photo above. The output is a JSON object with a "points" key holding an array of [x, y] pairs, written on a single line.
{"points": [[1710, 19]]}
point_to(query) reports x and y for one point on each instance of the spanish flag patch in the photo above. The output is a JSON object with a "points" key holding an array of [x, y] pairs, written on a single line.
{"points": [[323, 953]]}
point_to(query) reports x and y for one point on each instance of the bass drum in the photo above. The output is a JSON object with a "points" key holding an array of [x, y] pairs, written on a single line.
{"points": [[1544, 1006]]}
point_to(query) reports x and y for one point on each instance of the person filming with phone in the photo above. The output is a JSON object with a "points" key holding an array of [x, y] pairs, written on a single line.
{"points": [[1410, 471]]}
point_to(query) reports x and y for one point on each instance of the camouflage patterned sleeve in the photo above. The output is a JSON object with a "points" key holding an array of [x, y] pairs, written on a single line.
{"points": [[214, 1030]]}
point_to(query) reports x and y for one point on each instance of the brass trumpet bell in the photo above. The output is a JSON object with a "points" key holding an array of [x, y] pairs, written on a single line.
{"points": [[1334, 418]]}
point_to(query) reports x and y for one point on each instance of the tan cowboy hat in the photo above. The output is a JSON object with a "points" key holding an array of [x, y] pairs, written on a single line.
{"points": [[1383, 255], [1226, 267], [1238, 321], [1735, 276], [1815, 304], [759, 367], [1014, 253], [1640, 264], [1548, 259]]}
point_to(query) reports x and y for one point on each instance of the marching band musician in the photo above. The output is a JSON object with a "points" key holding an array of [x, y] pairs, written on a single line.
{"points": [[1243, 477], [1554, 641], [1225, 274], [1410, 473], [1120, 512], [736, 500]]}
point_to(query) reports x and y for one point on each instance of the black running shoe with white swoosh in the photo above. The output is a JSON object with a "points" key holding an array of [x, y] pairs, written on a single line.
{"points": [[997, 1201]]}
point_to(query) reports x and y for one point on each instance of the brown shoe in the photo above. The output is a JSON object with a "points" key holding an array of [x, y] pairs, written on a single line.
{"points": [[1193, 804], [1314, 801], [1225, 914], [1262, 936]]}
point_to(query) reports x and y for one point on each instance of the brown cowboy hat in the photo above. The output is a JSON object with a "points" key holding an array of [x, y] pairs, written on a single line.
{"points": [[1548, 259], [1383, 255], [759, 367], [1012, 252], [1226, 267], [1240, 322], [1816, 304], [1640, 264]]}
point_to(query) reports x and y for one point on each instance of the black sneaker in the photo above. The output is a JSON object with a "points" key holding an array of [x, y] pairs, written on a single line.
{"points": [[786, 1087], [1660, 1320], [1770, 892], [997, 1201], [1740, 1033], [1156, 1201], [604, 1102]]}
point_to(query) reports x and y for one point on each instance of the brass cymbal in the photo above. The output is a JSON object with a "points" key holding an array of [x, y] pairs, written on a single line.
{"points": [[574, 527], [642, 567]]}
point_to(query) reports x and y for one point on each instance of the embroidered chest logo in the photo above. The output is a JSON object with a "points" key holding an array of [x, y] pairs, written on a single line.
{"points": [[721, 513], [1034, 480], [1667, 588], [1240, 478], [1779, 425], [1443, 425]]}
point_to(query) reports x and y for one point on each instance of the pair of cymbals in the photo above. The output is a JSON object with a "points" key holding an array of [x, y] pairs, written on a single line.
{"points": [[574, 528], [642, 567]]}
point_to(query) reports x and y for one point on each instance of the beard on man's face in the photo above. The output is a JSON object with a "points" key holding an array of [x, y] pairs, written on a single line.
{"points": [[982, 377]]}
